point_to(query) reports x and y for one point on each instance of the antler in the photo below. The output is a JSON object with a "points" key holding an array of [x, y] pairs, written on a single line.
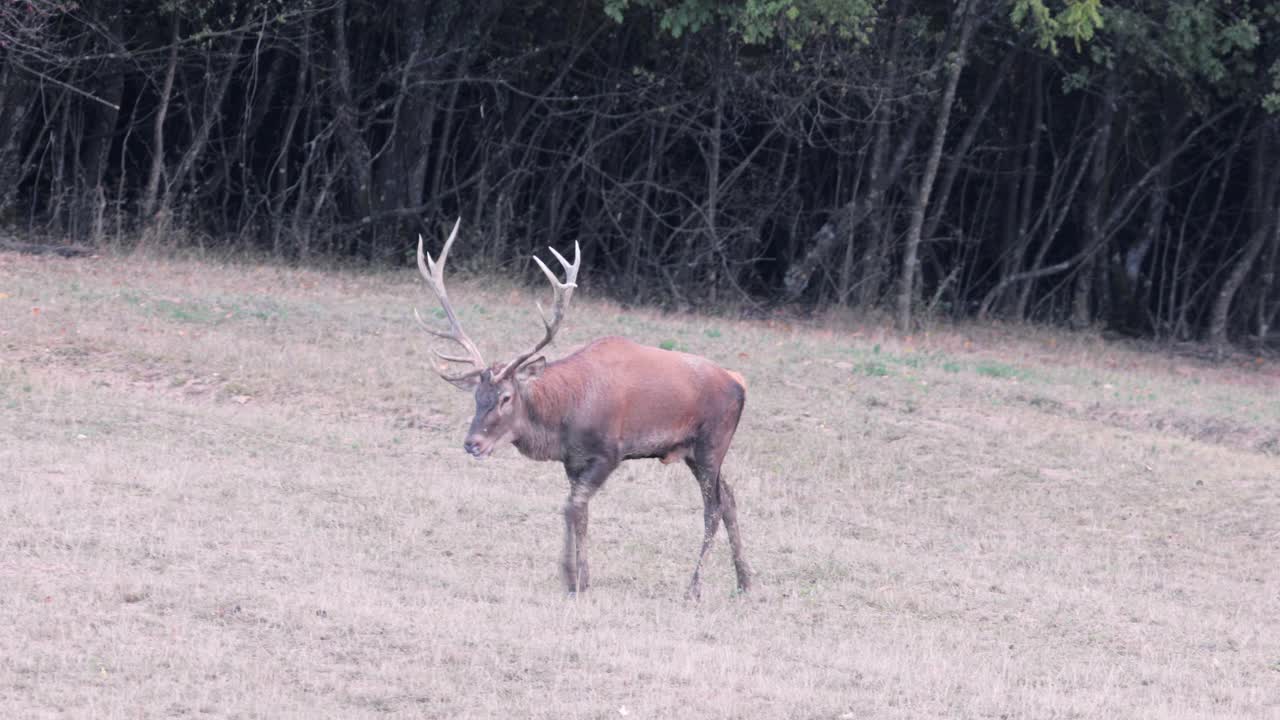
{"points": [[564, 291], [433, 272]]}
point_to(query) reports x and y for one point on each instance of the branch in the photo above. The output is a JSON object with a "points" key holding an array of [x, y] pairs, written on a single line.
{"points": [[68, 86]]}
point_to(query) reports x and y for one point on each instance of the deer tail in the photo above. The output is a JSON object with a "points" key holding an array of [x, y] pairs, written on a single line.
{"points": [[742, 382]]}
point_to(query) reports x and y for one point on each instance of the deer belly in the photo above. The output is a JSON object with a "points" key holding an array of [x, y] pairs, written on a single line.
{"points": [[664, 454], [666, 447]]}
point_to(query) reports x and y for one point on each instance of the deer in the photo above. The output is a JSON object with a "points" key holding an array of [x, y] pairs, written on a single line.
{"points": [[610, 401]]}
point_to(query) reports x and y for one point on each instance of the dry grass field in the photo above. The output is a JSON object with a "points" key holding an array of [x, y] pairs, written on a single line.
{"points": [[231, 491]]}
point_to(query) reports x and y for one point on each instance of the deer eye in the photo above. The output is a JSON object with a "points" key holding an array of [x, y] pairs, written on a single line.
{"points": [[502, 401]]}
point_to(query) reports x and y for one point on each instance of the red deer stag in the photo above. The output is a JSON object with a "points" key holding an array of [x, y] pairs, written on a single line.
{"points": [[610, 401]]}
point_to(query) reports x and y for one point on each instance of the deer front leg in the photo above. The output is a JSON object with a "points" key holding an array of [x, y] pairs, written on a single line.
{"points": [[573, 565], [584, 480]]}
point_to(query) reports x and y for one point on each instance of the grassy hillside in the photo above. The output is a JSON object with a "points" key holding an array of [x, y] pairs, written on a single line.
{"points": [[240, 491]]}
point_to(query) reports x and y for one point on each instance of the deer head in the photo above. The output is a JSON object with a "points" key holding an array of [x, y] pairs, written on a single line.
{"points": [[499, 404]]}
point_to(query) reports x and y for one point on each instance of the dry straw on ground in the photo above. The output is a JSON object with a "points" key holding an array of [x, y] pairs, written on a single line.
{"points": [[235, 491]]}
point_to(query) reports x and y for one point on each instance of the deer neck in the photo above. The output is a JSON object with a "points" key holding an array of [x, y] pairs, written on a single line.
{"points": [[538, 434]]}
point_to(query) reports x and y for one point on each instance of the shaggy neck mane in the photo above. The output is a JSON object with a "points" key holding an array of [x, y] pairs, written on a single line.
{"points": [[548, 400]]}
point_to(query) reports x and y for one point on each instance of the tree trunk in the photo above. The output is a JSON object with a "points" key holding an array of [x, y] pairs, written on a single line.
{"points": [[1268, 309], [393, 164], [16, 104], [1030, 171], [152, 192], [281, 178], [58, 148], [961, 151], [1131, 312], [1081, 302], [912, 249], [99, 136], [715, 158], [346, 125], [195, 149], [1265, 183], [848, 265], [423, 103]]}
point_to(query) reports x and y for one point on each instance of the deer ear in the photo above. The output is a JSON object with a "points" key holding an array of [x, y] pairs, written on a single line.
{"points": [[532, 369], [467, 382]]}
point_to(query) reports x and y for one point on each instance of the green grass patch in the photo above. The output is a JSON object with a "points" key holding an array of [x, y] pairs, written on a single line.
{"points": [[185, 312], [873, 368], [206, 313], [992, 369], [911, 361], [882, 359]]}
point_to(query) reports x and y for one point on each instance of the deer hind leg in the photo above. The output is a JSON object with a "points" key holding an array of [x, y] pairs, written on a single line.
{"points": [[730, 509], [717, 500], [711, 515], [584, 481]]}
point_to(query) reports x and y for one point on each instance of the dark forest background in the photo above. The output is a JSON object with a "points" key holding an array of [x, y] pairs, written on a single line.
{"points": [[1090, 162]]}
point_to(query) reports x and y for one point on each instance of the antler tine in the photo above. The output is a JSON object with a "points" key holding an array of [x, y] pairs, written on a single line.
{"points": [[432, 271], [451, 358], [423, 324], [563, 292], [571, 270], [455, 377]]}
